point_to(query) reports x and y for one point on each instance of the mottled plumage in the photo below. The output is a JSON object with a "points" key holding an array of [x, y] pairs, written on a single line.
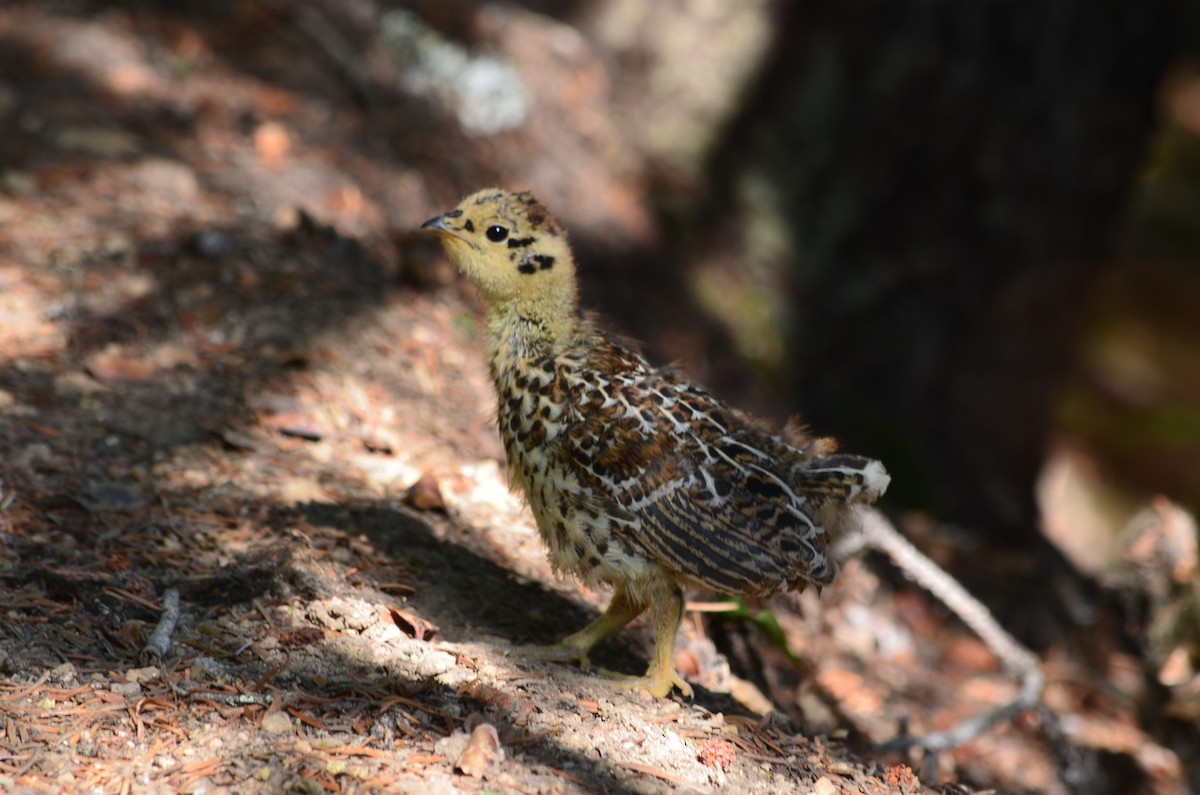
{"points": [[638, 479]]}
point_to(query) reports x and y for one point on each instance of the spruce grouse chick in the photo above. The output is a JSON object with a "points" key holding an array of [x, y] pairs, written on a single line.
{"points": [[638, 479]]}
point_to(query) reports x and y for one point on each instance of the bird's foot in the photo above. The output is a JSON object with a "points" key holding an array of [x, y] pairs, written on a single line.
{"points": [[560, 652], [658, 684]]}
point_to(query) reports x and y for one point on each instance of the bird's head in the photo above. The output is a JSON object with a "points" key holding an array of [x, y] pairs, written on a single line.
{"points": [[514, 251]]}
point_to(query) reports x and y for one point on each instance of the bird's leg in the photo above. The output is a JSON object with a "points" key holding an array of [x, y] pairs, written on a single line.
{"points": [[576, 647], [666, 611]]}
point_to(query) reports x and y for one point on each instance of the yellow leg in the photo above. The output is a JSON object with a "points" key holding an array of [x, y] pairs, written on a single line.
{"points": [[665, 616], [666, 611], [575, 648]]}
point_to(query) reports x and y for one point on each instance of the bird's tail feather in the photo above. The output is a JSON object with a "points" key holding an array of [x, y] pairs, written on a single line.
{"points": [[847, 479]]}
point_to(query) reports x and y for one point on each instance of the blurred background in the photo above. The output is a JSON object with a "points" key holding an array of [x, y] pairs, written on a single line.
{"points": [[964, 238], [961, 239]]}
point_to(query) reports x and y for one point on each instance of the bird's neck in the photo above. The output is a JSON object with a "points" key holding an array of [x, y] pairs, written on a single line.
{"points": [[520, 331]]}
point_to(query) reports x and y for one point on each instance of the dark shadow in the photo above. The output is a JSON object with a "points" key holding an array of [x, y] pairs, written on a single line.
{"points": [[49, 100], [453, 584], [461, 579], [936, 168]]}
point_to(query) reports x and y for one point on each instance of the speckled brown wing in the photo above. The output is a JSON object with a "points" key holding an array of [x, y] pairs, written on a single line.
{"points": [[689, 485], [733, 523]]}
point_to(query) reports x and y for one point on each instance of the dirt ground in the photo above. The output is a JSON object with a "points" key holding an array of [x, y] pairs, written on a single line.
{"points": [[228, 368]]}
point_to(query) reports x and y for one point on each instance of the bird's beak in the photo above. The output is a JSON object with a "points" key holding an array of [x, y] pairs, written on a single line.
{"points": [[436, 225], [442, 229]]}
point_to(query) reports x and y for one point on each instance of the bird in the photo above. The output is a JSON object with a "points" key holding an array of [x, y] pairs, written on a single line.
{"points": [[638, 479]]}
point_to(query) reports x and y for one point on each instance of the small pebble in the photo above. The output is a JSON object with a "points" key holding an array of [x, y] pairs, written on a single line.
{"points": [[823, 786], [276, 723], [434, 663], [127, 689], [115, 496]]}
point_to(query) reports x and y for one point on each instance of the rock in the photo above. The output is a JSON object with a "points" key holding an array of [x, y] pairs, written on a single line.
{"points": [[141, 674], [346, 615], [483, 749], [823, 786], [127, 689], [276, 723], [114, 497], [435, 662]]}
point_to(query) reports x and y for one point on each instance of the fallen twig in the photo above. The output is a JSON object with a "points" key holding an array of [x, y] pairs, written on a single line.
{"points": [[159, 643], [229, 699], [25, 692], [878, 533], [655, 772]]}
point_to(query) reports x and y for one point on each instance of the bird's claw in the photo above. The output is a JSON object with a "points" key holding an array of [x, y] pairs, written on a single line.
{"points": [[658, 685], [559, 653]]}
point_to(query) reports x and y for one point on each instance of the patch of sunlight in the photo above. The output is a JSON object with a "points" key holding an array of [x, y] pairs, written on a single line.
{"points": [[692, 98], [753, 317], [1082, 513]]}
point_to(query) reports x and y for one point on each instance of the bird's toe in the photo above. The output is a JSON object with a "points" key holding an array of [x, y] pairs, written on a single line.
{"points": [[559, 653], [658, 685]]}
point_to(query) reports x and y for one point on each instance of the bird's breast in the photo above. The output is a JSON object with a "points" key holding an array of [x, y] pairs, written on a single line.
{"points": [[535, 413]]}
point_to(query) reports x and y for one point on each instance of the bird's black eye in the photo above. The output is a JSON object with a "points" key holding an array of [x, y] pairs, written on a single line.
{"points": [[496, 233]]}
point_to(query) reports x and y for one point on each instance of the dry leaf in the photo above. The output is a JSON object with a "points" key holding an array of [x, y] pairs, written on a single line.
{"points": [[412, 625], [483, 749], [425, 495]]}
